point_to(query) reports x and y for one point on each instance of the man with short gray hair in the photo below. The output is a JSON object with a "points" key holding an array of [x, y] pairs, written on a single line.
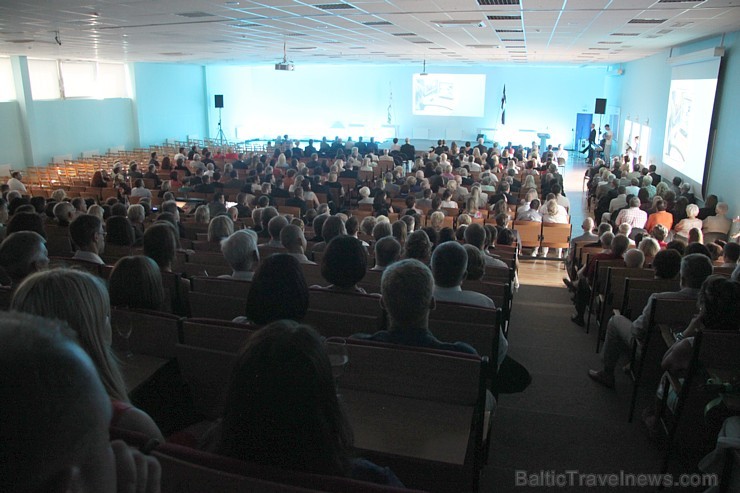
{"points": [[294, 242], [387, 251], [240, 251], [407, 288], [633, 215]]}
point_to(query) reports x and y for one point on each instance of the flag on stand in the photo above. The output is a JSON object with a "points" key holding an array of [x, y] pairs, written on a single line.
{"points": [[503, 107]]}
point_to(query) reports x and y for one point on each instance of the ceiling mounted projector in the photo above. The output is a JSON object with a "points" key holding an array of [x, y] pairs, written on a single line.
{"points": [[285, 64]]}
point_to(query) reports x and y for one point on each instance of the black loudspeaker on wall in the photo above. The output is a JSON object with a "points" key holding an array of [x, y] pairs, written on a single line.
{"points": [[219, 100], [600, 106]]}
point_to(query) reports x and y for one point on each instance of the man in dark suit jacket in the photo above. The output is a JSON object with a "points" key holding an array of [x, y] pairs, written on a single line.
{"points": [[233, 182], [309, 149], [238, 163], [655, 176], [361, 147], [516, 185], [591, 144], [206, 186], [408, 151], [297, 200]]}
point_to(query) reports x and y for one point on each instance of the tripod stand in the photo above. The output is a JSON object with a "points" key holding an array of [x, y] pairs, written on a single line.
{"points": [[220, 136]]}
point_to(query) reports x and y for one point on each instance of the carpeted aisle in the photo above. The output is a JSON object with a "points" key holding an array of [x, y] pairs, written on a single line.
{"points": [[563, 421]]}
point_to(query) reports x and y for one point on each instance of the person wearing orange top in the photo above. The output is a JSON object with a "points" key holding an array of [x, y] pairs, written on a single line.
{"points": [[661, 216]]}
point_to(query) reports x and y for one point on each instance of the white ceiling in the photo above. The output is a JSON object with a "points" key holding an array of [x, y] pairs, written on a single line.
{"points": [[374, 31]]}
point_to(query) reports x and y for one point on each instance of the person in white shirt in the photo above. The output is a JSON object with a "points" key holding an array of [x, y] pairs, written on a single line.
{"points": [[88, 236], [561, 153], [15, 183], [139, 190], [634, 187], [607, 136], [553, 213], [719, 223], [531, 213], [620, 201], [241, 253]]}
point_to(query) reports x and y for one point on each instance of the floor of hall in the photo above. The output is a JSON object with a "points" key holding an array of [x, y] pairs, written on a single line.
{"points": [[563, 421]]}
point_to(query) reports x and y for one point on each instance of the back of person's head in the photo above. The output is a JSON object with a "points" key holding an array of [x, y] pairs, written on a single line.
{"points": [[604, 228], [118, 209], [281, 408], [333, 227], [695, 268], [695, 236], [55, 413], [240, 250], [292, 238], [731, 252], [715, 251], [659, 232], [677, 244], [476, 266], [81, 300], [649, 246], [406, 289], [345, 261], [219, 228], [620, 244], [136, 282], [475, 235], [23, 253], [399, 231], [119, 231], [381, 230], [606, 239], [697, 248], [634, 258], [26, 221], [667, 264], [160, 244], [387, 251], [418, 246], [278, 291], [352, 225], [449, 264], [719, 303], [318, 223], [276, 225], [84, 230]]}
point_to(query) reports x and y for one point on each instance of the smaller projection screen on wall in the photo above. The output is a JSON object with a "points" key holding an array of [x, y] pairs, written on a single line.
{"points": [[449, 94]]}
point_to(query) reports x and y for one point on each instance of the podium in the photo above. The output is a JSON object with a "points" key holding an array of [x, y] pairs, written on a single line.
{"points": [[543, 141]]}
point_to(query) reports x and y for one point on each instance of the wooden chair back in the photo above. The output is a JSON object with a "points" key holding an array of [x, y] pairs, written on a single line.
{"points": [[152, 333], [637, 291], [218, 335], [207, 374], [556, 235], [208, 305], [221, 287], [530, 233]]}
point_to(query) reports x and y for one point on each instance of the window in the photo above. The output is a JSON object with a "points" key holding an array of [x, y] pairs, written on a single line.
{"points": [[112, 80], [51, 79], [7, 86], [78, 79], [44, 77]]}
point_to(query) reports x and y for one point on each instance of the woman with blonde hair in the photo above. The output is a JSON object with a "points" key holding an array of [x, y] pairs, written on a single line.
{"points": [[81, 300], [436, 220], [471, 207], [649, 246], [219, 228], [661, 189], [554, 213], [202, 215], [529, 185]]}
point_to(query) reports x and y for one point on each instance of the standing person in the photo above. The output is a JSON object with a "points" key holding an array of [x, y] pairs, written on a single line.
{"points": [[591, 144], [607, 143]]}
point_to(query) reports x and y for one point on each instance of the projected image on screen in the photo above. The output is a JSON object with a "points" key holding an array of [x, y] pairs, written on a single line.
{"points": [[689, 117], [449, 94]]}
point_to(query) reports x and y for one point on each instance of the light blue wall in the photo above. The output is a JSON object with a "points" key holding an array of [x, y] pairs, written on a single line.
{"points": [[644, 93], [73, 126], [170, 102], [10, 136], [262, 102]]}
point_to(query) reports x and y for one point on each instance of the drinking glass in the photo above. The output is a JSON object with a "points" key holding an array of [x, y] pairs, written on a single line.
{"points": [[336, 349], [124, 327]]}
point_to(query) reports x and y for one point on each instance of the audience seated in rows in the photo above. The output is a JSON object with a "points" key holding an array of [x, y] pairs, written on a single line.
{"points": [[695, 268]]}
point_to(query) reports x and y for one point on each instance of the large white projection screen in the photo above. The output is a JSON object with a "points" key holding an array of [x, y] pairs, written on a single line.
{"points": [[689, 118], [690, 106], [449, 94]]}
